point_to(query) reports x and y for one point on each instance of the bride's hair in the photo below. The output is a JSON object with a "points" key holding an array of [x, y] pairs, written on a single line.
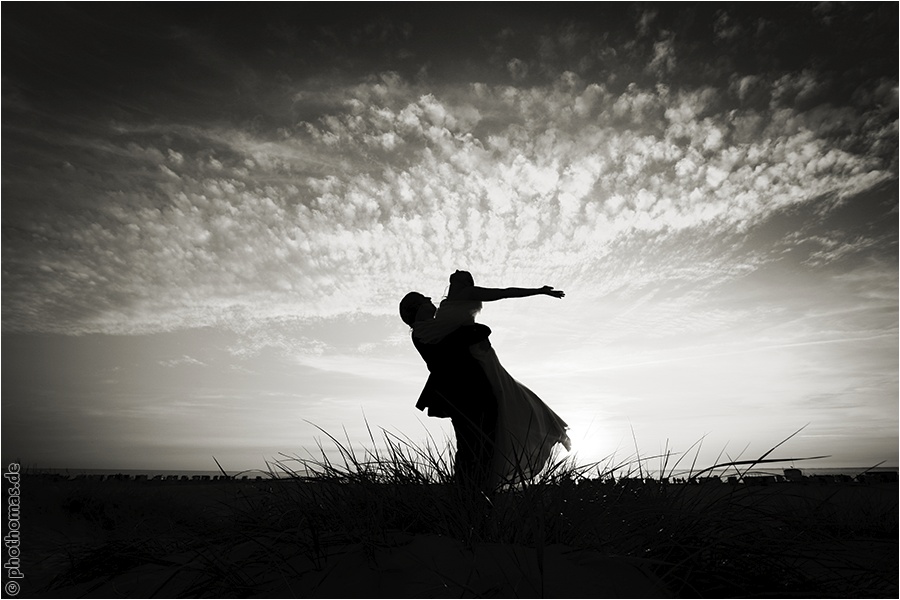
{"points": [[462, 278]]}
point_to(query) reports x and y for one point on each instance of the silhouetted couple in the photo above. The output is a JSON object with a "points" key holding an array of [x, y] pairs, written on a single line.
{"points": [[504, 432]]}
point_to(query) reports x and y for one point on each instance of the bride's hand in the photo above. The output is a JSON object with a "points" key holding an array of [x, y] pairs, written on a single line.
{"points": [[548, 290]]}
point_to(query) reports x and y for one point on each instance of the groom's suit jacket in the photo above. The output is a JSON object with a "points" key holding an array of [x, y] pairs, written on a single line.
{"points": [[457, 385]]}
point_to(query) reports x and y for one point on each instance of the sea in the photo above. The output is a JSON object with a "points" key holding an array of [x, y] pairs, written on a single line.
{"points": [[809, 471], [150, 473], [253, 473]]}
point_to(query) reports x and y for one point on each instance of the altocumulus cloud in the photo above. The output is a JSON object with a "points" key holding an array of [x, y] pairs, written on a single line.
{"points": [[399, 183], [375, 186]]}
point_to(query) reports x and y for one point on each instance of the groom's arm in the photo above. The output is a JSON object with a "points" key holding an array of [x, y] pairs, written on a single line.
{"points": [[468, 335], [440, 354]]}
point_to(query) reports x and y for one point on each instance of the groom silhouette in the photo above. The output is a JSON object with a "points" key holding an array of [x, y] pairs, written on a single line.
{"points": [[458, 388]]}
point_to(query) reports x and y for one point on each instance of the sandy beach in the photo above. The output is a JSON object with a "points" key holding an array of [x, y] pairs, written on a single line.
{"points": [[130, 539]]}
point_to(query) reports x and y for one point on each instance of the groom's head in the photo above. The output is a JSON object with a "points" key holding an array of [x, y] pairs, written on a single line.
{"points": [[416, 307]]}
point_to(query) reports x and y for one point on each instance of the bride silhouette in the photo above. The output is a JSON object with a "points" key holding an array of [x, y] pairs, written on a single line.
{"points": [[527, 429]]}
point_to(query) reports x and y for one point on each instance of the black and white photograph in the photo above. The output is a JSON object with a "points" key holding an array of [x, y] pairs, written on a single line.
{"points": [[450, 299]]}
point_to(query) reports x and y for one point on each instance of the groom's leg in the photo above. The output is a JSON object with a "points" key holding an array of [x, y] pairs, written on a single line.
{"points": [[475, 435], [487, 437], [468, 455]]}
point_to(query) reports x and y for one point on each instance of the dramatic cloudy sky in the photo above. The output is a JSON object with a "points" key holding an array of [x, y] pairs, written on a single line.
{"points": [[210, 214]]}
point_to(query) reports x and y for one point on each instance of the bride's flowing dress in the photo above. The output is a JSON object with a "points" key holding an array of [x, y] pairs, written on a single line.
{"points": [[527, 429]]}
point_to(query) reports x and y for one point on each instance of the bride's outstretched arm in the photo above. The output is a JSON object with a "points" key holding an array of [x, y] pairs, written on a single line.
{"points": [[489, 294]]}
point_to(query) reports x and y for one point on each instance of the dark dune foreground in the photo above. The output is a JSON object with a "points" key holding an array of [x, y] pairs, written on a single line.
{"points": [[328, 539]]}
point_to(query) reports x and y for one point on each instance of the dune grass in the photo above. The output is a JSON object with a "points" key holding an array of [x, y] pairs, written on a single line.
{"points": [[699, 540]]}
